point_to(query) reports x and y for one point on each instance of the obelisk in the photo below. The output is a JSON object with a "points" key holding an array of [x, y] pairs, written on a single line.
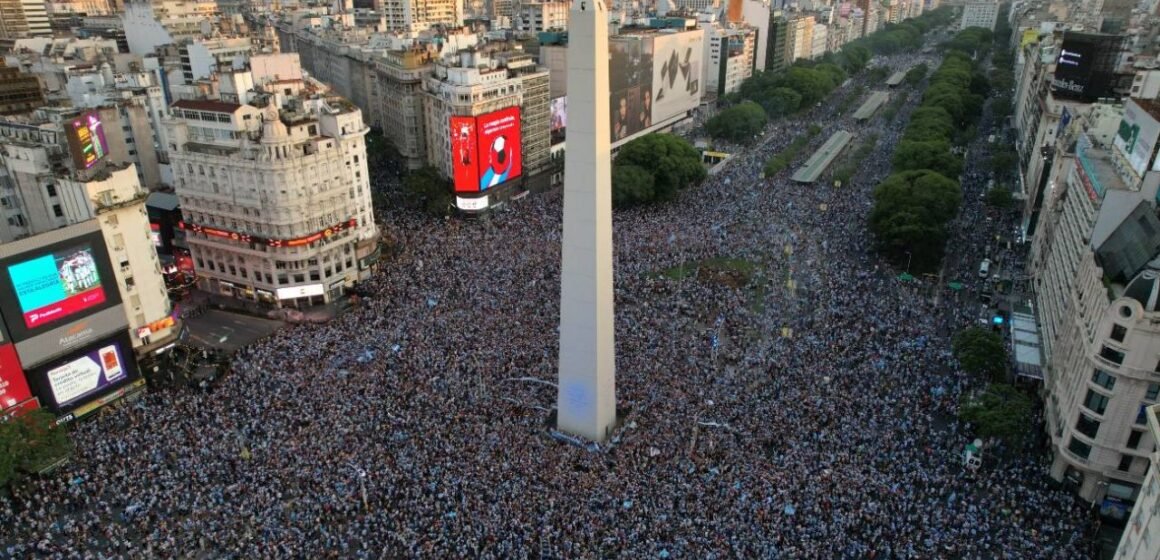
{"points": [[586, 399]]}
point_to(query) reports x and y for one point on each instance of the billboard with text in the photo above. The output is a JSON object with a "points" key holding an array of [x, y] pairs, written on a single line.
{"points": [[45, 287], [1137, 136], [85, 375], [499, 145]]}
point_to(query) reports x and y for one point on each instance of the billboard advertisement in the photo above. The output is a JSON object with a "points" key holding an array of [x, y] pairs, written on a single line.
{"points": [[13, 386], [499, 147], [71, 335], [85, 375], [86, 140], [464, 154], [676, 77], [42, 288], [1085, 68], [559, 112], [54, 285], [630, 82], [1137, 136]]}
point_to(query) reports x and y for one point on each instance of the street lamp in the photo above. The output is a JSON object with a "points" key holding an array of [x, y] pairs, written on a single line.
{"points": [[908, 257], [362, 479]]}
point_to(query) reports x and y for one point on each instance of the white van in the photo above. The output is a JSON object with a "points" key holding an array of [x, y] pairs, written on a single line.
{"points": [[985, 268]]}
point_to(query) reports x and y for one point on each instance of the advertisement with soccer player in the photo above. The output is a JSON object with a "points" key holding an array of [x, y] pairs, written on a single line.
{"points": [[499, 142], [48, 286], [464, 154]]}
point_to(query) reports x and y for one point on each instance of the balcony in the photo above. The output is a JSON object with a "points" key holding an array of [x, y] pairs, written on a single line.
{"points": [[110, 202]]}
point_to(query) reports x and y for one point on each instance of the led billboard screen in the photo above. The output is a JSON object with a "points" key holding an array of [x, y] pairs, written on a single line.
{"points": [[676, 79], [1137, 136], [1086, 65], [559, 112], [86, 140], [85, 375], [44, 288], [54, 285], [630, 81], [13, 386], [485, 150], [464, 154], [499, 144]]}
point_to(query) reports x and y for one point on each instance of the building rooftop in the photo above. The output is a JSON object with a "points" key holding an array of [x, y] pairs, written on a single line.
{"points": [[1150, 105], [207, 105]]}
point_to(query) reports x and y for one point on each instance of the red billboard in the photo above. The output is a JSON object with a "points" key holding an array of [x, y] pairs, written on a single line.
{"points": [[499, 147], [13, 386], [464, 154]]}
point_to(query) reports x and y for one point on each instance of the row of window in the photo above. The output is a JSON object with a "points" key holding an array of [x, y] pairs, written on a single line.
{"points": [[282, 277]]}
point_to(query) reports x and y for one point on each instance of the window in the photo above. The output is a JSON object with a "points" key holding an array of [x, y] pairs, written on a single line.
{"points": [[1087, 426], [111, 219], [57, 211], [130, 283], [1134, 439], [1141, 417], [1119, 333], [1095, 402], [135, 301], [51, 189], [1125, 463], [1104, 379], [1079, 448], [1153, 391], [1112, 355]]}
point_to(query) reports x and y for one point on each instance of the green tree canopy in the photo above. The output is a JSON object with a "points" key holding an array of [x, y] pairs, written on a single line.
{"points": [[933, 155], [427, 189], [671, 161], [631, 185], [738, 124], [910, 213], [1000, 197], [1000, 411], [981, 352], [30, 443]]}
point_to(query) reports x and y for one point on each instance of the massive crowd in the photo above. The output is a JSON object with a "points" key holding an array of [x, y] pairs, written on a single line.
{"points": [[804, 419]]}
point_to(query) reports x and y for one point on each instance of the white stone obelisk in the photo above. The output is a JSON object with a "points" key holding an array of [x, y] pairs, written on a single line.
{"points": [[586, 401]]}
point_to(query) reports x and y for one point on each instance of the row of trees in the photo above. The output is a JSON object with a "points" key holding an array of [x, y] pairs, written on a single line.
{"points": [[1000, 410], [913, 205], [738, 124]]}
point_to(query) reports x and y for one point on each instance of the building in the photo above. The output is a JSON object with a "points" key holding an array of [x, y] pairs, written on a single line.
{"points": [[19, 92], [1093, 264], [730, 57], [417, 15], [150, 24], [274, 191], [24, 18], [398, 78], [777, 48], [980, 13], [470, 103], [1141, 538], [800, 42], [535, 17], [759, 15], [819, 39]]}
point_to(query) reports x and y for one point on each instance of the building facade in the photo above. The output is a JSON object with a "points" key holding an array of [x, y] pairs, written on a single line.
{"points": [[983, 13], [276, 199], [1141, 538]]}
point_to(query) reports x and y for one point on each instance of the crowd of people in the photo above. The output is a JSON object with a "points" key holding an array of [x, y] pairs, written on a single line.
{"points": [[804, 407]]}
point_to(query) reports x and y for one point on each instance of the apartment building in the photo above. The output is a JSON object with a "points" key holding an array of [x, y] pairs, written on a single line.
{"points": [[1141, 538], [535, 17], [980, 13], [24, 18]]}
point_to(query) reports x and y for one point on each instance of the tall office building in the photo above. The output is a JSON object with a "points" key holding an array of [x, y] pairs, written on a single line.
{"points": [[24, 18], [980, 13]]}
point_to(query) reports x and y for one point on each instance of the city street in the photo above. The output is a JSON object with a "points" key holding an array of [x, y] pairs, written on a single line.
{"points": [[796, 401]]}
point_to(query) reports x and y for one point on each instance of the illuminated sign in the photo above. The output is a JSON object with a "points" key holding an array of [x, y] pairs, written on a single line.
{"points": [[86, 140], [247, 238], [13, 386], [91, 372], [301, 291], [55, 285]]}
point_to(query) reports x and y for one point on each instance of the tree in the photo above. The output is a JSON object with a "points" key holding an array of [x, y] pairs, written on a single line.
{"points": [[1000, 411], [917, 74], [910, 213], [933, 155], [981, 352], [671, 161], [1000, 197], [30, 443], [1003, 162], [738, 124], [632, 185], [427, 189]]}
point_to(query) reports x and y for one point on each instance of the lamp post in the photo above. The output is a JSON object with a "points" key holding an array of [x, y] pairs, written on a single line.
{"points": [[908, 257]]}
